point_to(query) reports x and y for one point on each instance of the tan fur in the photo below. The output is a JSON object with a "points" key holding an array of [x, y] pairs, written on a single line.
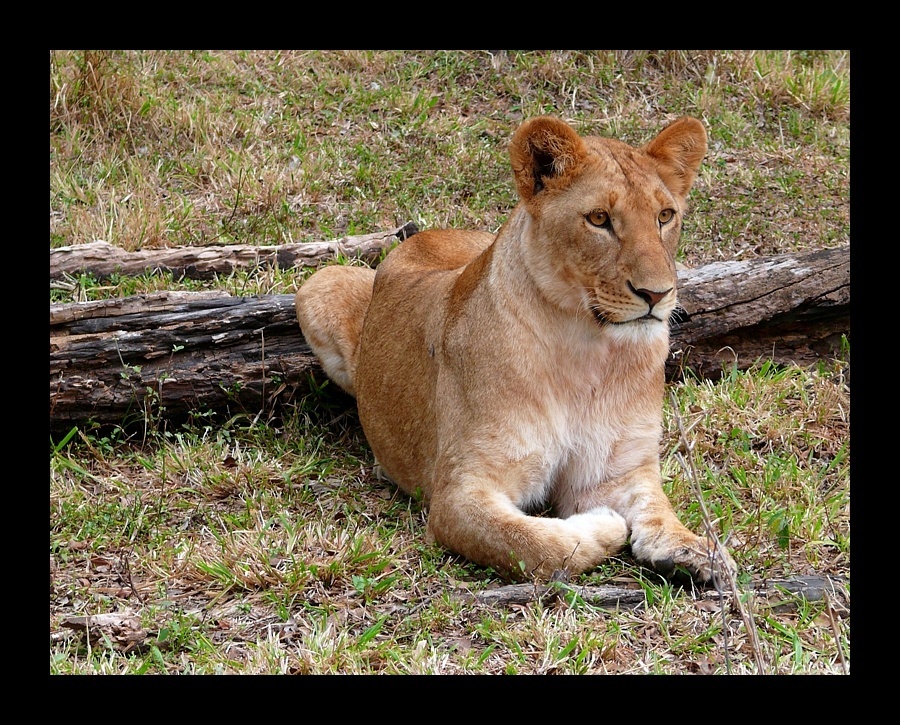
{"points": [[498, 377]]}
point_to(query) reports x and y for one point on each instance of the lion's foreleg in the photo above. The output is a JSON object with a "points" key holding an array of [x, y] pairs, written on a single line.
{"points": [[477, 519], [658, 538]]}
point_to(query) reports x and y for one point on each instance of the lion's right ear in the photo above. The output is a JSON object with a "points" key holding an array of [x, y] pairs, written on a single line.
{"points": [[544, 150]]}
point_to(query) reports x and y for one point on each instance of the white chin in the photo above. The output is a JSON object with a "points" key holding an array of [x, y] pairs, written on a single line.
{"points": [[642, 330]]}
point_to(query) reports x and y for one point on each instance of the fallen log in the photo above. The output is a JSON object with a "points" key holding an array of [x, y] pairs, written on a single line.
{"points": [[173, 354], [788, 308], [102, 260]]}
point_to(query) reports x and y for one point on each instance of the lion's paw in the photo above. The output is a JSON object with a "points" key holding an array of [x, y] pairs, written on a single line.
{"points": [[603, 526], [698, 557]]}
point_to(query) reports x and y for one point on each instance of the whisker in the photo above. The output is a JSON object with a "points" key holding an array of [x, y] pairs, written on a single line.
{"points": [[678, 314], [600, 316]]}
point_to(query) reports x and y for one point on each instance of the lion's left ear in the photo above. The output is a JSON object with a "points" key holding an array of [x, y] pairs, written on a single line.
{"points": [[544, 151], [678, 149]]}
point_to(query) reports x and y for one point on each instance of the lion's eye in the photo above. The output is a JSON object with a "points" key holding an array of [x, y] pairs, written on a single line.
{"points": [[598, 218], [665, 216]]}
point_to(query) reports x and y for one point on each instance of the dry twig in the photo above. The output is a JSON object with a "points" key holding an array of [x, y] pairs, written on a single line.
{"points": [[743, 608]]}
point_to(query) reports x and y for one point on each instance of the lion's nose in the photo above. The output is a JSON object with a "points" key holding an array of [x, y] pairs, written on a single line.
{"points": [[649, 296]]}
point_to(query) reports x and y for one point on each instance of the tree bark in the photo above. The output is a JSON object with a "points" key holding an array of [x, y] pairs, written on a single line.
{"points": [[176, 354], [102, 259], [788, 308]]}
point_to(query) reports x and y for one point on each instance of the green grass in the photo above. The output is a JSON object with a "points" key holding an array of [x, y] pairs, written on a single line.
{"points": [[250, 548]]}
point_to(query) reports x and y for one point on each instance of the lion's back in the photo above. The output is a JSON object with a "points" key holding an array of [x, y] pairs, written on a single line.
{"points": [[436, 250]]}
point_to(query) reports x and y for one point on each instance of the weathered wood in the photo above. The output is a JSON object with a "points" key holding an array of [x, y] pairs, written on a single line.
{"points": [[789, 308], [778, 594], [177, 353], [606, 596], [174, 353], [102, 259]]}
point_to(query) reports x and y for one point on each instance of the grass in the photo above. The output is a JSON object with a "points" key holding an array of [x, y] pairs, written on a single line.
{"points": [[247, 548]]}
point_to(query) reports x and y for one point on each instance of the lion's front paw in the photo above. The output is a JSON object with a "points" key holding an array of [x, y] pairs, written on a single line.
{"points": [[697, 556]]}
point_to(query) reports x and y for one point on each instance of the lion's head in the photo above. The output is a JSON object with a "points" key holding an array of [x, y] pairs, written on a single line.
{"points": [[609, 215]]}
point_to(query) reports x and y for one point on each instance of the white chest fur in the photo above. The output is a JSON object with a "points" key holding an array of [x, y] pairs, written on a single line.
{"points": [[594, 413]]}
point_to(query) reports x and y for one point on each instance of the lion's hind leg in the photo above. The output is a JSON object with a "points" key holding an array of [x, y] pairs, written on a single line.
{"points": [[331, 306]]}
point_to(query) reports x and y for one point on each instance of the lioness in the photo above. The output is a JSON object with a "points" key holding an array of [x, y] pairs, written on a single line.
{"points": [[501, 376]]}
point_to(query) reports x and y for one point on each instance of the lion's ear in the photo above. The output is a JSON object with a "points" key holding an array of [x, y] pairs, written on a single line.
{"points": [[678, 149], [544, 149]]}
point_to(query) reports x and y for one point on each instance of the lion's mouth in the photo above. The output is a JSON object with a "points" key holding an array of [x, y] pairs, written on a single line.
{"points": [[603, 320]]}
